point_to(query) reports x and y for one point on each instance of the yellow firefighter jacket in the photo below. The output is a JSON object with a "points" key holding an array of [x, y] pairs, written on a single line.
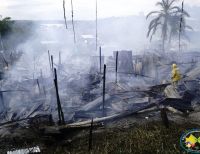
{"points": [[176, 76]]}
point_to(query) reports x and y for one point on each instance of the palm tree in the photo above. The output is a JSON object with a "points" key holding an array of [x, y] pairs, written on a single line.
{"points": [[167, 19]]}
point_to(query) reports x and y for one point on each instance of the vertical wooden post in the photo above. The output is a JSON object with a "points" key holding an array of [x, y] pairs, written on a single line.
{"points": [[164, 117], [116, 66], [11, 59], [2, 101], [49, 60], [1, 94], [96, 25], [41, 74], [64, 14], [60, 112], [38, 84], [104, 87], [52, 66], [100, 59], [72, 9], [149, 100], [91, 136], [59, 58], [180, 26]]}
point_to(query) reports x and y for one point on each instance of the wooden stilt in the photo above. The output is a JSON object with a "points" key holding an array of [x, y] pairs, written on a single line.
{"points": [[38, 84], [60, 59], [104, 87], [49, 60], [52, 66], [91, 136], [60, 112], [41, 74], [164, 117], [100, 59], [116, 66]]}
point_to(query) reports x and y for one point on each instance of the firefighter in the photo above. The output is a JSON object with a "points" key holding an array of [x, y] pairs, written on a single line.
{"points": [[176, 76]]}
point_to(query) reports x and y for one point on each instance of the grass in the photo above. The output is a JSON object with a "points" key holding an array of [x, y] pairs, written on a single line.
{"points": [[150, 138]]}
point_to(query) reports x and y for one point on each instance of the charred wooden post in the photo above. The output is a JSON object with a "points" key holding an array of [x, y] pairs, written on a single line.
{"points": [[41, 74], [64, 13], [60, 59], [96, 25], [164, 117], [52, 66], [11, 58], [72, 10], [100, 58], [38, 84], [116, 66], [49, 60], [125, 62], [180, 26], [149, 100], [104, 87], [2, 103], [60, 112], [91, 136]]}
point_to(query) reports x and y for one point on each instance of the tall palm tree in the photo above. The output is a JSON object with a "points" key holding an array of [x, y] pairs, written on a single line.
{"points": [[167, 19]]}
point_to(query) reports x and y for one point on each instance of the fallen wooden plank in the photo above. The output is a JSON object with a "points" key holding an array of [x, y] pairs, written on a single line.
{"points": [[173, 110], [67, 128], [112, 117], [97, 121]]}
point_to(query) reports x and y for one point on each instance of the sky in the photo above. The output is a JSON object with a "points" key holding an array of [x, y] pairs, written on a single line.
{"points": [[83, 9]]}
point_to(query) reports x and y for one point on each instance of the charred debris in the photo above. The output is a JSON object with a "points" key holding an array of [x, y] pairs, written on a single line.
{"points": [[117, 86]]}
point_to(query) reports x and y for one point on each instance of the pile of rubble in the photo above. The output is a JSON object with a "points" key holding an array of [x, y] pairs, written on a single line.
{"points": [[137, 85]]}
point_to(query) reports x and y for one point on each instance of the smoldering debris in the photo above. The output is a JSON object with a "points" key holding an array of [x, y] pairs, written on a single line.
{"points": [[81, 93], [131, 84]]}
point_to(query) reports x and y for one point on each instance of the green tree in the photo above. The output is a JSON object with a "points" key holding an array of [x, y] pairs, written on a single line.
{"points": [[5, 25], [5, 28], [167, 20]]}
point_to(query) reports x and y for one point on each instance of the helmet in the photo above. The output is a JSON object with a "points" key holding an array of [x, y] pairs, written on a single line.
{"points": [[174, 66]]}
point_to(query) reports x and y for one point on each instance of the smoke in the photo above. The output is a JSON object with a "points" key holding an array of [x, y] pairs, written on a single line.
{"points": [[74, 80]]}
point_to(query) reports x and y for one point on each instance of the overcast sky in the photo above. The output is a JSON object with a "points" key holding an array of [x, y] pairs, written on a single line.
{"points": [[83, 9]]}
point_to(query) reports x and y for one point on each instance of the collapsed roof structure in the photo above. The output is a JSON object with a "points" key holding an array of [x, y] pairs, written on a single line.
{"points": [[129, 85]]}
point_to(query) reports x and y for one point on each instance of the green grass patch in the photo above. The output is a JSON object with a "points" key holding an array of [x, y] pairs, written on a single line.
{"points": [[150, 138]]}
